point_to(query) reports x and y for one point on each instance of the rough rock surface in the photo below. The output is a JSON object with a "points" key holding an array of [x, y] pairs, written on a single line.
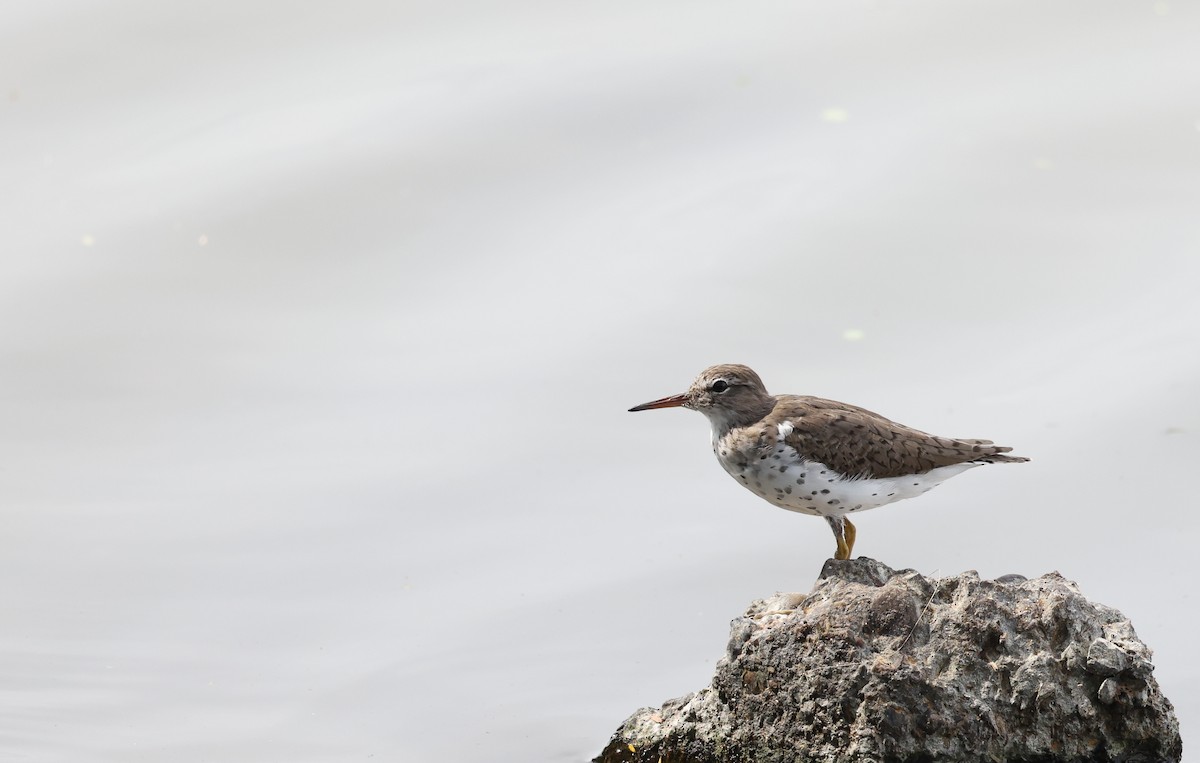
{"points": [[879, 665]]}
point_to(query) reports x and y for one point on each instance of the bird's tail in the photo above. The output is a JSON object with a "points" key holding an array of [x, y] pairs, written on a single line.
{"points": [[1000, 458], [994, 454]]}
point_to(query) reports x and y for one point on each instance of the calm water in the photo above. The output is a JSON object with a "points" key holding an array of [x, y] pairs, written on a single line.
{"points": [[318, 325]]}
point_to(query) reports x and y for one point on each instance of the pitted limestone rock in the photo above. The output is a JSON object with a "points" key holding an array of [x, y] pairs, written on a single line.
{"points": [[885, 666]]}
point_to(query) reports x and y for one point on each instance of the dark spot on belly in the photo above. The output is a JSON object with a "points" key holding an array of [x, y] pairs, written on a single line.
{"points": [[800, 481], [782, 468], [788, 490], [834, 502], [826, 490]]}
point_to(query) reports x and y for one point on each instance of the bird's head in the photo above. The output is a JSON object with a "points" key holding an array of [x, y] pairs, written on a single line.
{"points": [[729, 395]]}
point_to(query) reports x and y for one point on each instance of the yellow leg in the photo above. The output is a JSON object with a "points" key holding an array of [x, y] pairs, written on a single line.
{"points": [[843, 551], [844, 533]]}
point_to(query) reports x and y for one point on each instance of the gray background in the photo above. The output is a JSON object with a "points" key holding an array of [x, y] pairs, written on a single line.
{"points": [[319, 322]]}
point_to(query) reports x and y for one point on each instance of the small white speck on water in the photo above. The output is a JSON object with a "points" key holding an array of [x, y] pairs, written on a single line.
{"points": [[87, 240], [853, 335], [202, 240], [1043, 164], [834, 115]]}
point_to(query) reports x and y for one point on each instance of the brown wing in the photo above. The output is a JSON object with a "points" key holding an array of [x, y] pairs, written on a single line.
{"points": [[857, 442]]}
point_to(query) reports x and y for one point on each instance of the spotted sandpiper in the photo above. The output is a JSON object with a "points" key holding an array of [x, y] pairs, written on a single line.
{"points": [[819, 456]]}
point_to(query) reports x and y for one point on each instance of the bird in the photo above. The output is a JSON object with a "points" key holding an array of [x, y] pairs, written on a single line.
{"points": [[821, 457]]}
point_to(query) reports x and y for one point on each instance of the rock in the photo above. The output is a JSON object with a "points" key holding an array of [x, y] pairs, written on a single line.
{"points": [[888, 666], [1105, 658]]}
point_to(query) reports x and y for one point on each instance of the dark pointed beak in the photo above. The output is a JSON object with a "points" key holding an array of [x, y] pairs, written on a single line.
{"points": [[673, 401]]}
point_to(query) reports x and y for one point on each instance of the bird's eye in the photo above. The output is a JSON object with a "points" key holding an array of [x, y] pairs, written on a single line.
{"points": [[720, 385]]}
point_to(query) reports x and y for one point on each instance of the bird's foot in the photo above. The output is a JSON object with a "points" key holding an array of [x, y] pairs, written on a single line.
{"points": [[844, 533]]}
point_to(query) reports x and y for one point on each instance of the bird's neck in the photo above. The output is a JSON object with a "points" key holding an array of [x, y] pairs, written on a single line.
{"points": [[724, 420]]}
